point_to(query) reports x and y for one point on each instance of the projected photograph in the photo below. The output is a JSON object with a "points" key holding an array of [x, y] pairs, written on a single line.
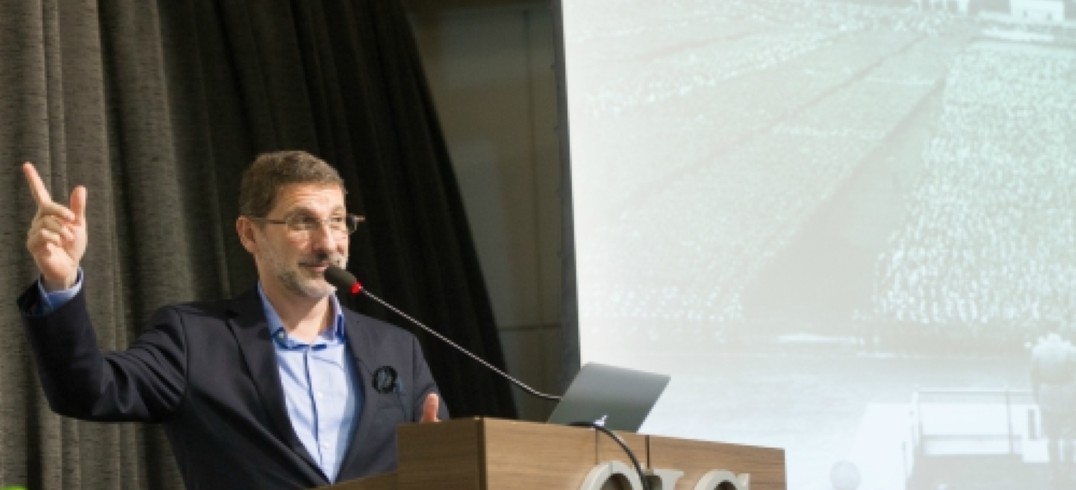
{"points": [[846, 228]]}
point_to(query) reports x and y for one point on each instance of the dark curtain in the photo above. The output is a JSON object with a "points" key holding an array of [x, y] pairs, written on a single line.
{"points": [[157, 107]]}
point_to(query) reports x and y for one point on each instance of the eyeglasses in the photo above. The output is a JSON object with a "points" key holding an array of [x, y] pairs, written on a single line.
{"points": [[305, 223]]}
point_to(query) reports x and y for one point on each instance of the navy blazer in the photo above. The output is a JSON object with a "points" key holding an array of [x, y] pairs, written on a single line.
{"points": [[207, 371]]}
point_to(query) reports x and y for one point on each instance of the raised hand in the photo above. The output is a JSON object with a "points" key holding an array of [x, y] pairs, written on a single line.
{"points": [[57, 236]]}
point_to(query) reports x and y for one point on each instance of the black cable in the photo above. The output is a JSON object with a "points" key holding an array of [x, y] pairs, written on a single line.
{"points": [[623, 445]]}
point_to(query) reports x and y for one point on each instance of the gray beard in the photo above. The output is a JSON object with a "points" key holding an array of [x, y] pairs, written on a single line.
{"points": [[305, 287], [312, 288]]}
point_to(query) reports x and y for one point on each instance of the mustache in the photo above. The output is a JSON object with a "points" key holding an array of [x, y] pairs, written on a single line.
{"points": [[324, 259]]}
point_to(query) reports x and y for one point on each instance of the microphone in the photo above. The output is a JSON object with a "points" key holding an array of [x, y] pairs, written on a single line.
{"points": [[345, 281]]}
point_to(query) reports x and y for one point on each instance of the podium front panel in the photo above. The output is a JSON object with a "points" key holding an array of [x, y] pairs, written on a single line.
{"points": [[481, 454], [495, 454], [766, 466]]}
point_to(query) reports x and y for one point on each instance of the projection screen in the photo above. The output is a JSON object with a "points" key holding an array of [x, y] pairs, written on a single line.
{"points": [[844, 228]]}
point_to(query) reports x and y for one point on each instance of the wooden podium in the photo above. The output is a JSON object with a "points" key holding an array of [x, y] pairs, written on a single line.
{"points": [[495, 454]]}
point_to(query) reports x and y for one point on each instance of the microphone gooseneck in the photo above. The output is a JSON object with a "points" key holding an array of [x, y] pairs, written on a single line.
{"points": [[345, 281]]}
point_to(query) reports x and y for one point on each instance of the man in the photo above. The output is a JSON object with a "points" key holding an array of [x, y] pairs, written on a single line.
{"points": [[279, 387]]}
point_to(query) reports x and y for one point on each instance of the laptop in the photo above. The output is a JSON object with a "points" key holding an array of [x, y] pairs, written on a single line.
{"points": [[615, 397]]}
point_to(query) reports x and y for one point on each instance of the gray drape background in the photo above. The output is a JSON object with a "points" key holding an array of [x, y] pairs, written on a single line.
{"points": [[156, 107]]}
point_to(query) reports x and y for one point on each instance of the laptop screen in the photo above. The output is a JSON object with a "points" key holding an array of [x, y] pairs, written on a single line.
{"points": [[616, 397]]}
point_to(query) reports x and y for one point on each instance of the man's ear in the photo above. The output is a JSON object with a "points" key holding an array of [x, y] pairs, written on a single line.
{"points": [[244, 227]]}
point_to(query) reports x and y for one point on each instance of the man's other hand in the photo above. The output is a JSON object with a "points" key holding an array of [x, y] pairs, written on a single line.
{"points": [[430, 407]]}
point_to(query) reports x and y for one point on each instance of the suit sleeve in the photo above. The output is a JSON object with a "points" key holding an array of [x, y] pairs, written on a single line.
{"points": [[424, 384], [143, 383]]}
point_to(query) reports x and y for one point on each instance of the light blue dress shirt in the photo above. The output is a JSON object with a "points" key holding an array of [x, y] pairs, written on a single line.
{"points": [[318, 379], [55, 299], [319, 387]]}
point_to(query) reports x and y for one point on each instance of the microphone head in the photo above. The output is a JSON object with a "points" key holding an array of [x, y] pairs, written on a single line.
{"points": [[342, 279]]}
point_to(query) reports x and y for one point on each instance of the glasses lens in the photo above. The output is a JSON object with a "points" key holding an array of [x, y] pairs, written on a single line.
{"points": [[340, 225], [300, 222]]}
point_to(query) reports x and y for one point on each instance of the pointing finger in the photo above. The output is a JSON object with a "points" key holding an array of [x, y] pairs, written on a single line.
{"points": [[37, 187]]}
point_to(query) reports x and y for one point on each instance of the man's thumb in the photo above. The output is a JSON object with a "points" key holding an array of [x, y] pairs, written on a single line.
{"points": [[430, 408], [78, 203]]}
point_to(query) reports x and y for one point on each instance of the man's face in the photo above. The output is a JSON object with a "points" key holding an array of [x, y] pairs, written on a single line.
{"points": [[295, 261]]}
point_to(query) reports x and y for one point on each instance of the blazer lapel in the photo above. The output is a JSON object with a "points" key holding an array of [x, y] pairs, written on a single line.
{"points": [[366, 360], [252, 333], [362, 355]]}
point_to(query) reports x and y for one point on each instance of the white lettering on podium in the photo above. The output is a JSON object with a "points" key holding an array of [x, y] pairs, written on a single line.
{"points": [[723, 480], [660, 478], [609, 470]]}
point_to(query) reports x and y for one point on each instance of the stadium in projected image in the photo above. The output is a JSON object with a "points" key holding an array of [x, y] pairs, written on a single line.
{"points": [[842, 227]]}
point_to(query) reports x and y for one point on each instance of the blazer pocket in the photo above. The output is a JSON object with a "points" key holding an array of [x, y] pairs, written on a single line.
{"points": [[391, 409]]}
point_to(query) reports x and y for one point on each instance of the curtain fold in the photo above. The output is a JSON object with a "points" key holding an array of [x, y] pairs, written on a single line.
{"points": [[157, 107]]}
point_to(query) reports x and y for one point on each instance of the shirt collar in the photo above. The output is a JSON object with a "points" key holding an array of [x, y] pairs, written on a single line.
{"points": [[332, 336]]}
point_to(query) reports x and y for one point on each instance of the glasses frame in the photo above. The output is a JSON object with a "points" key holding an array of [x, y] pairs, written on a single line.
{"points": [[351, 222]]}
